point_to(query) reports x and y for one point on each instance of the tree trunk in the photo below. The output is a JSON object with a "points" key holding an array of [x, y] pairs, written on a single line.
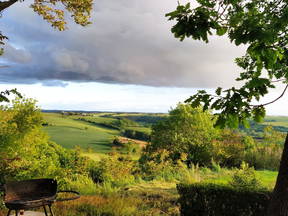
{"points": [[278, 205]]}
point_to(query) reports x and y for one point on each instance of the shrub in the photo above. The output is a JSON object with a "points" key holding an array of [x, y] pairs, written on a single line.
{"points": [[134, 134], [159, 165], [202, 199], [215, 166], [190, 175], [81, 183], [127, 145], [245, 178], [228, 149], [264, 157], [116, 169]]}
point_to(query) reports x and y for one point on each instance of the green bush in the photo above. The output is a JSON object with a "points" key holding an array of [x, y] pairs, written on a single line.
{"points": [[159, 165], [116, 169], [245, 178], [264, 157], [228, 149], [202, 199], [134, 134]]}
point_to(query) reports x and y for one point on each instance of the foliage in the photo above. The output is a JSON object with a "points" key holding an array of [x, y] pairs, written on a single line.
{"points": [[262, 25], [264, 157], [134, 134], [116, 169], [245, 178], [218, 200], [26, 151], [230, 147], [123, 122], [146, 119], [159, 164], [4, 95], [127, 145], [266, 153], [187, 131], [272, 137], [53, 11]]}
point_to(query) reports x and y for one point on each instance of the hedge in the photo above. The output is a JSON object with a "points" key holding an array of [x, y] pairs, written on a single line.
{"points": [[203, 199]]}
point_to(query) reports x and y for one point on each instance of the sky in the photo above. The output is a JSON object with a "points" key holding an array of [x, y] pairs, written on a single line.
{"points": [[127, 60]]}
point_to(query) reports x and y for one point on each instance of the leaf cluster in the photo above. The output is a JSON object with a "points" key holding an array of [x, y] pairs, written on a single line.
{"points": [[262, 25], [4, 95], [52, 11]]}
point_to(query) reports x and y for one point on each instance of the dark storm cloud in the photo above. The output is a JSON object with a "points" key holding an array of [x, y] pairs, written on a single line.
{"points": [[129, 42]]}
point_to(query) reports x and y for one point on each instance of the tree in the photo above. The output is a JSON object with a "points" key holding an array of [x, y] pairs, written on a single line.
{"points": [[25, 150], [52, 11], [263, 26], [186, 130]]}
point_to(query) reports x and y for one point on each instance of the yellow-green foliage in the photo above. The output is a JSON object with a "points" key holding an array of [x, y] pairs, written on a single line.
{"points": [[245, 178], [229, 148], [159, 165], [25, 150], [186, 130], [266, 153], [117, 169]]}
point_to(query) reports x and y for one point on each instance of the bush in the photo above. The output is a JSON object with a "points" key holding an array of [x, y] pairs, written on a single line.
{"points": [[202, 199], [81, 183], [264, 157], [134, 134], [245, 178], [228, 149], [159, 165], [115, 169]]}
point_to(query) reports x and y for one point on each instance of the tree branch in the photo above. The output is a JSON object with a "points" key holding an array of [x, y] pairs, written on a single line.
{"points": [[280, 80], [274, 99], [6, 4]]}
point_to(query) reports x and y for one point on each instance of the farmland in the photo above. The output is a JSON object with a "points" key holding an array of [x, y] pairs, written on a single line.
{"points": [[119, 175]]}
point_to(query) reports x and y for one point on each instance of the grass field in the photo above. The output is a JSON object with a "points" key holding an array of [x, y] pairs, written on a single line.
{"points": [[276, 121], [70, 133], [267, 178], [76, 130]]}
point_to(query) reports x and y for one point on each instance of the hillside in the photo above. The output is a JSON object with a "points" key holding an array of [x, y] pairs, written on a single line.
{"points": [[70, 133], [279, 123], [96, 131]]}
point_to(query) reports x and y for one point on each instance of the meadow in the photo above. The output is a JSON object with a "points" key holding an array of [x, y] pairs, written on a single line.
{"points": [[69, 131], [117, 175]]}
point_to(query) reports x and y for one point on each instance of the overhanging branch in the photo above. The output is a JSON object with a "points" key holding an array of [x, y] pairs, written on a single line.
{"points": [[274, 99]]}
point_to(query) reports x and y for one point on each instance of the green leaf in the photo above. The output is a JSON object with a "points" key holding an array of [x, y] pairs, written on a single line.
{"points": [[218, 91], [221, 31]]}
